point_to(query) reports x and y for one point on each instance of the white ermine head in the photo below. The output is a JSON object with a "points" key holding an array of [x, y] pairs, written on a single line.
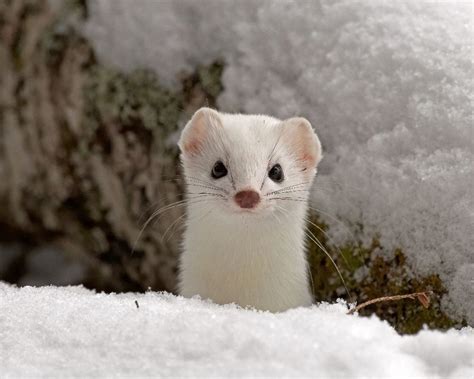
{"points": [[248, 165]]}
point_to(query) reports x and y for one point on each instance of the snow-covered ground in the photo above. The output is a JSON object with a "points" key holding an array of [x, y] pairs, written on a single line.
{"points": [[388, 86], [71, 331]]}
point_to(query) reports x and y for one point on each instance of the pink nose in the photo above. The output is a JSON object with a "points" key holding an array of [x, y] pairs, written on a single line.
{"points": [[247, 199]]}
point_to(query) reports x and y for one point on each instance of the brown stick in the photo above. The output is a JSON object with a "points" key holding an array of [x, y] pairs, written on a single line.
{"points": [[422, 297]]}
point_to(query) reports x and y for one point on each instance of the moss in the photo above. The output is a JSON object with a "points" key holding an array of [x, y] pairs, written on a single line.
{"points": [[369, 274], [138, 101], [204, 85], [210, 79]]}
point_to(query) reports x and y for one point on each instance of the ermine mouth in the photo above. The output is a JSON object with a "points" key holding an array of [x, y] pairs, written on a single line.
{"points": [[260, 209], [246, 210]]}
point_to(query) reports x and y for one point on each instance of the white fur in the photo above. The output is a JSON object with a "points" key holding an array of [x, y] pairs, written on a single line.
{"points": [[252, 258]]}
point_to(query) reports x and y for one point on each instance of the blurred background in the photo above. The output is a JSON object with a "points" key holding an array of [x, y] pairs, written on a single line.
{"points": [[94, 93]]}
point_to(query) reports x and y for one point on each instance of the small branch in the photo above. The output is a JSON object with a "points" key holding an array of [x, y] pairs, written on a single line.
{"points": [[422, 297]]}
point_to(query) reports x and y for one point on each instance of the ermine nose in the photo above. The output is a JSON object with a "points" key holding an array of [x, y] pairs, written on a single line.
{"points": [[247, 199]]}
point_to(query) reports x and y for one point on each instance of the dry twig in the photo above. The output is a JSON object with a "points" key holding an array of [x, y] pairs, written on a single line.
{"points": [[422, 297]]}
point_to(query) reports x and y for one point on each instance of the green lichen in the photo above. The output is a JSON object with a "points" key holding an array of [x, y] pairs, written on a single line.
{"points": [[204, 85], [138, 100], [368, 275], [131, 102], [210, 79]]}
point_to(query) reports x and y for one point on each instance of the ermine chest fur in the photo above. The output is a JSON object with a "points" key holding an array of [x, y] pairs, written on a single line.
{"points": [[247, 180], [251, 263]]}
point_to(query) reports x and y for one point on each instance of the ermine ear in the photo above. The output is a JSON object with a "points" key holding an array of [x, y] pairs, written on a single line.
{"points": [[301, 138], [197, 130]]}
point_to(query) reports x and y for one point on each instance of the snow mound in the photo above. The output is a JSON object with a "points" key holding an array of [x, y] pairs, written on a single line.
{"points": [[387, 85], [58, 331]]}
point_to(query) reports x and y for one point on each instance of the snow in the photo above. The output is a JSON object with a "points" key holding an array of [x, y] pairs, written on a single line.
{"points": [[387, 86], [71, 331]]}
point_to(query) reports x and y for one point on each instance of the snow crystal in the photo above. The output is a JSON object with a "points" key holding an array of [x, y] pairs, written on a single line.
{"points": [[387, 86], [71, 331]]}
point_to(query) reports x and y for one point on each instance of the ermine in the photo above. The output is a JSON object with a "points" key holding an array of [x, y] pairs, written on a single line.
{"points": [[248, 179]]}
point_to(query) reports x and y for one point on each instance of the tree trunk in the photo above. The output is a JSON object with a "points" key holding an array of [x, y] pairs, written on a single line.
{"points": [[86, 152]]}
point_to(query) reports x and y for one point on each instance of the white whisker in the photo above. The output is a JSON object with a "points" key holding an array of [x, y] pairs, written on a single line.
{"points": [[159, 212], [329, 238], [301, 200], [313, 238], [286, 188]]}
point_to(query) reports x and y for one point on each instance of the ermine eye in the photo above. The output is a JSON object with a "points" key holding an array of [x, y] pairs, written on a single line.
{"points": [[276, 173], [219, 170]]}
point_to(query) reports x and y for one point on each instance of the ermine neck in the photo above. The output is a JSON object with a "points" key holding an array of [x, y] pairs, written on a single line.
{"points": [[239, 236]]}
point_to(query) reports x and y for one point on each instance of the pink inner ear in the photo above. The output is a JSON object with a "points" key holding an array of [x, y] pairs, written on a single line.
{"points": [[308, 159], [195, 140], [192, 148], [302, 141], [196, 132]]}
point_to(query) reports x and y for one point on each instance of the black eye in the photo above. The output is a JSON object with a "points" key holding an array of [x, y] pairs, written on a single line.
{"points": [[219, 170], [276, 173]]}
